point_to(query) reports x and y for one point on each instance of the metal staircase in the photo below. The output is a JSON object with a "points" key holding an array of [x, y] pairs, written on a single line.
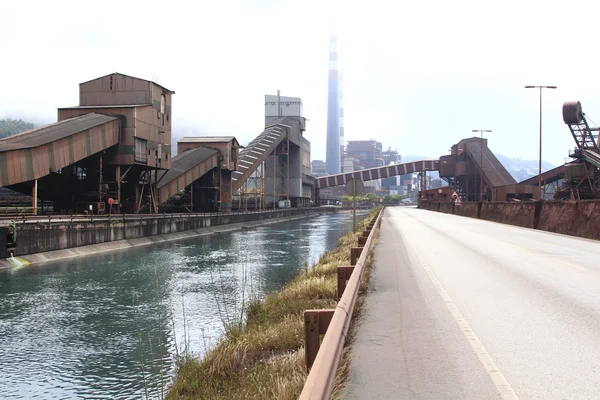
{"points": [[257, 151]]}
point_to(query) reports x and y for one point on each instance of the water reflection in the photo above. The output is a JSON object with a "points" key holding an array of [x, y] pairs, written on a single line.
{"points": [[112, 325]]}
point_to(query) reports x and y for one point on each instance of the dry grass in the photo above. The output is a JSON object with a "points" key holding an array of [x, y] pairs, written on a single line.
{"points": [[265, 358]]}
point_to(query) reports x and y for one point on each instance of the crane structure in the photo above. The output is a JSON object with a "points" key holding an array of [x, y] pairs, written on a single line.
{"points": [[581, 176]]}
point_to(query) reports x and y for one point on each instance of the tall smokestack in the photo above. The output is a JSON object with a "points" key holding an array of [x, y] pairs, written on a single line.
{"points": [[333, 111], [341, 99]]}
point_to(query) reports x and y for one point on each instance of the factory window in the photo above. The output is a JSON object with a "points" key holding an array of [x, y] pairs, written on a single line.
{"points": [[163, 103], [140, 147]]}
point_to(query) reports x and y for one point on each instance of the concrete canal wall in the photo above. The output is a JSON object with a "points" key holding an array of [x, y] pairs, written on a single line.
{"points": [[44, 236], [3, 236], [576, 218]]}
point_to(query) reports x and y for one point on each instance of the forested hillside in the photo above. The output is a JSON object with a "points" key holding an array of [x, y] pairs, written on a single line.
{"points": [[11, 126]]}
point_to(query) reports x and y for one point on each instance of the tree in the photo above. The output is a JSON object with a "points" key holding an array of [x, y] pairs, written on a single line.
{"points": [[391, 198], [10, 127], [371, 197]]}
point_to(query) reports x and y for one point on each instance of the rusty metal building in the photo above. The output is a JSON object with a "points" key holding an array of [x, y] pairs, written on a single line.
{"points": [[472, 163], [53, 161], [200, 175], [108, 149], [129, 172]]}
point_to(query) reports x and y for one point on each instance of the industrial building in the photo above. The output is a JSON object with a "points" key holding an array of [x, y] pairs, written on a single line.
{"points": [[143, 110], [112, 153], [62, 162], [200, 175], [110, 146], [474, 172], [391, 184], [368, 153], [318, 167], [286, 173], [216, 173]]}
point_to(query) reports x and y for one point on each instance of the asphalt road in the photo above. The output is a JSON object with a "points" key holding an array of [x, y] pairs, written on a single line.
{"points": [[460, 308]]}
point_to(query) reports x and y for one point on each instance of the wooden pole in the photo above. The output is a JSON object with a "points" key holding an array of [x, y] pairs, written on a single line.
{"points": [[118, 176], [155, 195], [100, 185], [274, 175], [34, 197], [192, 197], [354, 208]]}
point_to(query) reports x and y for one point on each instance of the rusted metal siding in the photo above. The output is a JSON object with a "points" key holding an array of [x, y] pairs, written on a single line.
{"points": [[176, 185], [115, 89], [124, 153], [156, 92], [25, 165], [149, 126], [448, 166], [181, 147], [225, 148]]}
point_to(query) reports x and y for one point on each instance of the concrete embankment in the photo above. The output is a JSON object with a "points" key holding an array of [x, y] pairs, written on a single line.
{"points": [[576, 218], [43, 242]]}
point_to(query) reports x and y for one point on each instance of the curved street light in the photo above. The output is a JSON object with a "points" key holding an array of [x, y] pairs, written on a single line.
{"points": [[541, 190]]}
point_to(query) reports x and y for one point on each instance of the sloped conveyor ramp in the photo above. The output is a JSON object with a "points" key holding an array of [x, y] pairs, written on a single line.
{"points": [[258, 150]]}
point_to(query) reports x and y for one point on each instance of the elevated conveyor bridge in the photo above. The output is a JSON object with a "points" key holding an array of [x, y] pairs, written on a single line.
{"points": [[377, 173]]}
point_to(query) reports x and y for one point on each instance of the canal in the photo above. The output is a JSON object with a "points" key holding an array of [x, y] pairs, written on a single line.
{"points": [[113, 326]]}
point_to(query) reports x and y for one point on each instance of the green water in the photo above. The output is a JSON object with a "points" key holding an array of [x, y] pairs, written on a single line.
{"points": [[112, 326]]}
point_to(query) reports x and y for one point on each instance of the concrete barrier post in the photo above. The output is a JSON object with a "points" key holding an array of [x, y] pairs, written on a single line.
{"points": [[316, 323], [343, 274], [537, 214], [362, 240], [355, 253]]}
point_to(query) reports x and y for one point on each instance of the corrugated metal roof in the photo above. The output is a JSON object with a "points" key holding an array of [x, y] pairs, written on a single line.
{"points": [[185, 161], [207, 139], [549, 176], [493, 170], [129, 76], [50, 133]]}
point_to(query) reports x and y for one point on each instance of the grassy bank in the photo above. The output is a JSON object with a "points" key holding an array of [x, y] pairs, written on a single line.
{"points": [[265, 358]]}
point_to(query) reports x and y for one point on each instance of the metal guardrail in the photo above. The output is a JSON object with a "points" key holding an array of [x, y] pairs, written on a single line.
{"points": [[334, 323], [125, 217]]}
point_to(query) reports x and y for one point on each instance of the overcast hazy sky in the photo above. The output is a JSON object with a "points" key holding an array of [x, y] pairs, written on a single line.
{"points": [[418, 75]]}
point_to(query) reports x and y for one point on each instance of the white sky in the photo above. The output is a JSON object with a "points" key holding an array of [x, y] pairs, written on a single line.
{"points": [[418, 75]]}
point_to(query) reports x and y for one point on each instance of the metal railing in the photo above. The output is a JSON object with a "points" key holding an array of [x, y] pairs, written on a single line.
{"points": [[323, 359], [27, 218]]}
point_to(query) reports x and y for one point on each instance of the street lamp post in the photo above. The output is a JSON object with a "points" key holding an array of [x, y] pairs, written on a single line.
{"points": [[541, 189], [481, 161]]}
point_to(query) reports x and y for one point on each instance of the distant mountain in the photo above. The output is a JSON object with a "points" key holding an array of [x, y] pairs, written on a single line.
{"points": [[522, 169], [411, 158]]}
